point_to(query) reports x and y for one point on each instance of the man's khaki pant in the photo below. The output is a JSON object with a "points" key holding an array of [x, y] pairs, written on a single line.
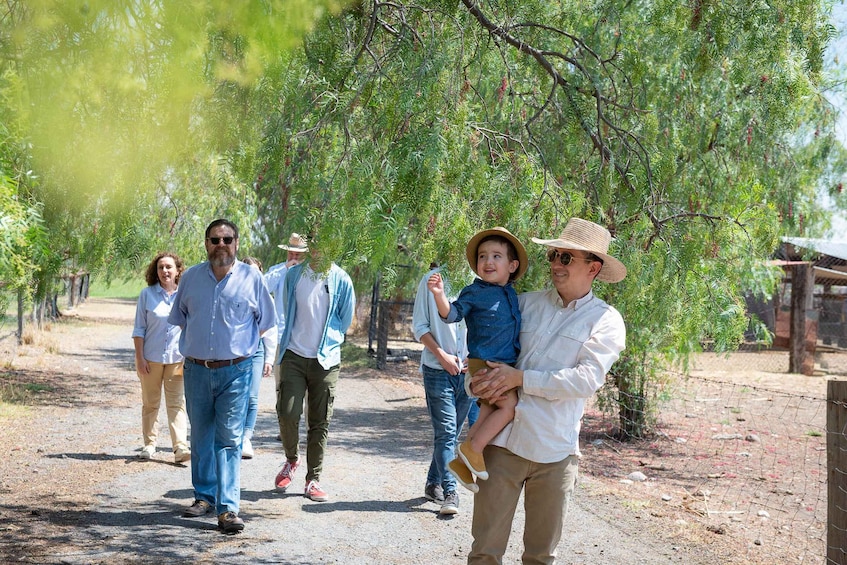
{"points": [[547, 492], [168, 377]]}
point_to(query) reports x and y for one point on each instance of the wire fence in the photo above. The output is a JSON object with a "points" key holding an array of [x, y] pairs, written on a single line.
{"points": [[744, 466]]}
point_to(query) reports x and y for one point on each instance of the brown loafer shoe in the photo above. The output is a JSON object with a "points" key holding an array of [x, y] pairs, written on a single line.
{"points": [[459, 470], [199, 508], [230, 523]]}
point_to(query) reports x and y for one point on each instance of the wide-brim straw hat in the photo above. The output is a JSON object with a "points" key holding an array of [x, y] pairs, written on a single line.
{"points": [[295, 243], [587, 236], [473, 244]]}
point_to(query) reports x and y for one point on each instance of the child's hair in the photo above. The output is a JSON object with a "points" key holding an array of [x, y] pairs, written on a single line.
{"points": [[511, 252]]}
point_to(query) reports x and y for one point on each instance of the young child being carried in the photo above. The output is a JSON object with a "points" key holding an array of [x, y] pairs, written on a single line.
{"points": [[489, 306]]}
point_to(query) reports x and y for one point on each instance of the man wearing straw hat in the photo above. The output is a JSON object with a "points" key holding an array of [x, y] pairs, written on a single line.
{"points": [[569, 341], [319, 307], [275, 277]]}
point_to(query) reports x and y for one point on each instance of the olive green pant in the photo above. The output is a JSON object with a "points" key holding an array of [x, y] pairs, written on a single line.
{"points": [[303, 378], [547, 492]]}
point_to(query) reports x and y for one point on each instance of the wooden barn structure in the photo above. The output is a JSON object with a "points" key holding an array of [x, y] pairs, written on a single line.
{"points": [[810, 309]]}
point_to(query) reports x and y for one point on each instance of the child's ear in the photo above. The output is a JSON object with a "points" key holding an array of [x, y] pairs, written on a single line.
{"points": [[513, 265]]}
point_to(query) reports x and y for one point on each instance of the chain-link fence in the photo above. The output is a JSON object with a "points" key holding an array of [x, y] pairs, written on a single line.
{"points": [[732, 461]]}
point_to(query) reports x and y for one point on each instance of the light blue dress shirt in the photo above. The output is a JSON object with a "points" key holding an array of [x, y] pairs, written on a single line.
{"points": [[425, 319], [161, 339], [222, 320]]}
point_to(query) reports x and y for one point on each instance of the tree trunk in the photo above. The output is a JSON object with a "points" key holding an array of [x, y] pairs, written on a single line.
{"points": [[631, 406]]}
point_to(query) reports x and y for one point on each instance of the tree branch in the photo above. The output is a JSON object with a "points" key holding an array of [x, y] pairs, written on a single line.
{"points": [[594, 133]]}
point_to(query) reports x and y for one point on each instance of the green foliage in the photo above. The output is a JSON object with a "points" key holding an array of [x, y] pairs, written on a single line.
{"points": [[697, 139], [697, 132], [133, 117]]}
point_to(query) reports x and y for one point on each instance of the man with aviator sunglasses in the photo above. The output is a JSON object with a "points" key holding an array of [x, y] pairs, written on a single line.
{"points": [[569, 340]]}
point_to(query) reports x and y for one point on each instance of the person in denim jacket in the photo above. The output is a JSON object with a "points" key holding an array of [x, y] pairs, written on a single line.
{"points": [[490, 308]]}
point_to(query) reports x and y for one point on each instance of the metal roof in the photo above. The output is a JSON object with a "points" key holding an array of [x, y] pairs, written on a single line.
{"points": [[829, 275], [827, 247]]}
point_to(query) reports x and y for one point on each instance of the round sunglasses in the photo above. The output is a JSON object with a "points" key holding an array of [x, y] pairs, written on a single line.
{"points": [[565, 258]]}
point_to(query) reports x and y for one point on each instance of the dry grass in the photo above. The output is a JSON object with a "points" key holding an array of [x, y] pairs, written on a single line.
{"points": [[16, 388], [40, 339]]}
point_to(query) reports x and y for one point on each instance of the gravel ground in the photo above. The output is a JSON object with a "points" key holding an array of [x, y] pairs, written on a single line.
{"points": [[73, 491]]}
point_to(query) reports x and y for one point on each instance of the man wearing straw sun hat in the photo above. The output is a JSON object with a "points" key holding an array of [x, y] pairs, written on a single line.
{"points": [[296, 249], [569, 340]]}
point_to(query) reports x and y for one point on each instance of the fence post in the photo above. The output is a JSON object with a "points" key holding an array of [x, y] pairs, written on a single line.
{"points": [[20, 316], [382, 337], [374, 305], [801, 342], [836, 464]]}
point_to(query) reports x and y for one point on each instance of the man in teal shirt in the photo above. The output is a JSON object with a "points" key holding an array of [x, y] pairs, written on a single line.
{"points": [[319, 308]]}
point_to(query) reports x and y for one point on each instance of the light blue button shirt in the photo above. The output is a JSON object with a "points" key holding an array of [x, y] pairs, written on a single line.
{"points": [[222, 320], [275, 278], [425, 319], [161, 339]]}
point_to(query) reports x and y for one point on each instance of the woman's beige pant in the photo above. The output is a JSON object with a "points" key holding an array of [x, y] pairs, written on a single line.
{"points": [[167, 377]]}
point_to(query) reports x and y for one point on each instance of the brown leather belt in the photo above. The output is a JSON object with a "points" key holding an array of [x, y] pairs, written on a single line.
{"points": [[216, 364]]}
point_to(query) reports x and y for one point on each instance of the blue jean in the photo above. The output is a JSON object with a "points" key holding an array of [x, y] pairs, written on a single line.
{"points": [[255, 385], [448, 406], [216, 401], [473, 413]]}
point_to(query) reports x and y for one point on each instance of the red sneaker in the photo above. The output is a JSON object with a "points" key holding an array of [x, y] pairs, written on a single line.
{"points": [[315, 492], [283, 478]]}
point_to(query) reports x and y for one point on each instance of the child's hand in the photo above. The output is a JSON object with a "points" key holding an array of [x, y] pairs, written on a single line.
{"points": [[435, 284]]}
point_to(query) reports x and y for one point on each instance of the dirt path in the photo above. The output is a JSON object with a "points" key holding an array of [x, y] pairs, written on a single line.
{"points": [[73, 491]]}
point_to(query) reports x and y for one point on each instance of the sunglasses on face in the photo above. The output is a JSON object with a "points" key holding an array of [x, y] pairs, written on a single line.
{"points": [[217, 240], [565, 258]]}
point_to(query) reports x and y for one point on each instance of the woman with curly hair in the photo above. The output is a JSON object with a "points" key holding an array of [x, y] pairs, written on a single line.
{"points": [[158, 361]]}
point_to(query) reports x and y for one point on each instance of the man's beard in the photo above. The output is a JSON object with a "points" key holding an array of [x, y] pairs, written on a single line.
{"points": [[220, 258]]}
